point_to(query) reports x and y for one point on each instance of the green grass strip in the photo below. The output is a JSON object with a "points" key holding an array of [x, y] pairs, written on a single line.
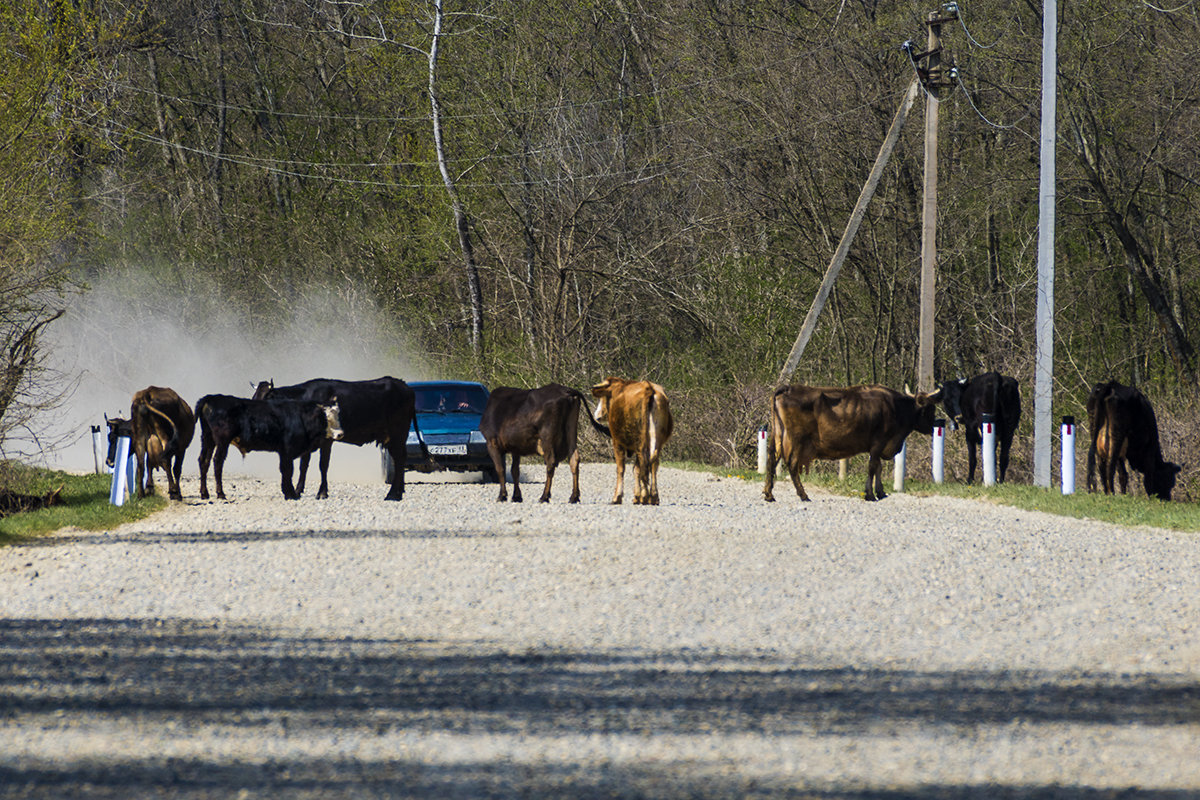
{"points": [[85, 503]]}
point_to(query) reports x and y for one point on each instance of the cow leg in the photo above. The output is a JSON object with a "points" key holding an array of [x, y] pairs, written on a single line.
{"points": [[551, 464], [498, 466], [399, 452], [285, 478], [516, 473], [874, 487], [796, 464], [173, 471], [619, 455], [395, 493], [641, 490], [574, 464], [1005, 445], [139, 454], [1122, 475], [1091, 467], [769, 482], [219, 468], [304, 459], [206, 452], [653, 480]]}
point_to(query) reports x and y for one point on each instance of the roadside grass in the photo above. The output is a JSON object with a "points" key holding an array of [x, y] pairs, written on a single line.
{"points": [[1132, 510], [85, 502]]}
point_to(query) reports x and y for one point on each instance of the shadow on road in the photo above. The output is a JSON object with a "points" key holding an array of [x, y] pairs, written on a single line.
{"points": [[143, 672]]}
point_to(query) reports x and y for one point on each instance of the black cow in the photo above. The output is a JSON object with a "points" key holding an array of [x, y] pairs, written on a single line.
{"points": [[291, 428], [522, 422], [381, 410], [966, 401], [1124, 428]]}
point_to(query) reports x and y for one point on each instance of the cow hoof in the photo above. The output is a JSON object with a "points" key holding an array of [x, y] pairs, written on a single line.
{"points": [[574, 499], [394, 497], [770, 498], [545, 499]]}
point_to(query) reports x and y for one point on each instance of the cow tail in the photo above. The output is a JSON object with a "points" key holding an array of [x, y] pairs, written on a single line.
{"points": [[774, 429], [601, 429], [172, 444], [651, 445], [424, 450]]}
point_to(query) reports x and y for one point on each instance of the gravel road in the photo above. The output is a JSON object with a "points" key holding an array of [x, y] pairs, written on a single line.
{"points": [[715, 646]]}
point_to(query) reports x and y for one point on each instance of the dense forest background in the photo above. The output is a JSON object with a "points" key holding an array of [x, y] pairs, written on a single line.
{"points": [[549, 190]]}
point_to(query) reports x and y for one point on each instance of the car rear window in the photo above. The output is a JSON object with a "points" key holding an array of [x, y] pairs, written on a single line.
{"points": [[467, 399]]}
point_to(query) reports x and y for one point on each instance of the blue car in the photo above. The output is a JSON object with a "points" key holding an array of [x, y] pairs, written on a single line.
{"points": [[448, 414]]}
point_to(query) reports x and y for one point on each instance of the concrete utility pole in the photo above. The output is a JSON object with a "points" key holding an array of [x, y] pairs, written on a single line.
{"points": [[934, 80], [1043, 374]]}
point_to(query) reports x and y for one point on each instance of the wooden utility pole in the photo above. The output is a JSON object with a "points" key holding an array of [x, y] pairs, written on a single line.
{"points": [[843, 248], [934, 80]]}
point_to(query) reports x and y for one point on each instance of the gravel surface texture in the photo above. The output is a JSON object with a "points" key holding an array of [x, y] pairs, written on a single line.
{"points": [[715, 646]]}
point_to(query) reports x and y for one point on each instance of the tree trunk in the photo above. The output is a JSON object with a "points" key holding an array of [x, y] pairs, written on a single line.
{"points": [[461, 222]]}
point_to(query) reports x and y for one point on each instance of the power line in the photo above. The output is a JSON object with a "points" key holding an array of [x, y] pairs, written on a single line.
{"points": [[971, 101]]}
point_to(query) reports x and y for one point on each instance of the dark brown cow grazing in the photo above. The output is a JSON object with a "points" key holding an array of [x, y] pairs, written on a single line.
{"points": [[639, 417], [1124, 428], [162, 426], [522, 422], [809, 422]]}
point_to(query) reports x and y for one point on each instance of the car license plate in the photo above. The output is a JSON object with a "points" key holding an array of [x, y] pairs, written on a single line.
{"points": [[448, 449]]}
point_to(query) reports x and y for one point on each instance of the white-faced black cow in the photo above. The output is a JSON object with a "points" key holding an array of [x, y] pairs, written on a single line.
{"points": [[1124, 428], [162, 426], [291, 428], [966, 401], [117, 428], [810, 422], [522, 422], [380, 410]]}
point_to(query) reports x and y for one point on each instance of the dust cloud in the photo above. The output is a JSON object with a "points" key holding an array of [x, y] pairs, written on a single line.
{"points": [[130, 331]]}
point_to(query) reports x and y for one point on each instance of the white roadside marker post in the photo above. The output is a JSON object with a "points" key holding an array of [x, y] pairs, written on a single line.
{"points": [[1068, 455], [122, 473]]}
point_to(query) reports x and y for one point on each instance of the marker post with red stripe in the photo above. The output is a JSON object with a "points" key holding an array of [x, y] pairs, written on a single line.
{"points": [[989, 449], [939, 450]]}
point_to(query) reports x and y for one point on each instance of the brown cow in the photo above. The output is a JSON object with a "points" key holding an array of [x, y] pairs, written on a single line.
{"points": [[163, 425], [809, 422], [1124, 428], [639, 416], [527, 421]]}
